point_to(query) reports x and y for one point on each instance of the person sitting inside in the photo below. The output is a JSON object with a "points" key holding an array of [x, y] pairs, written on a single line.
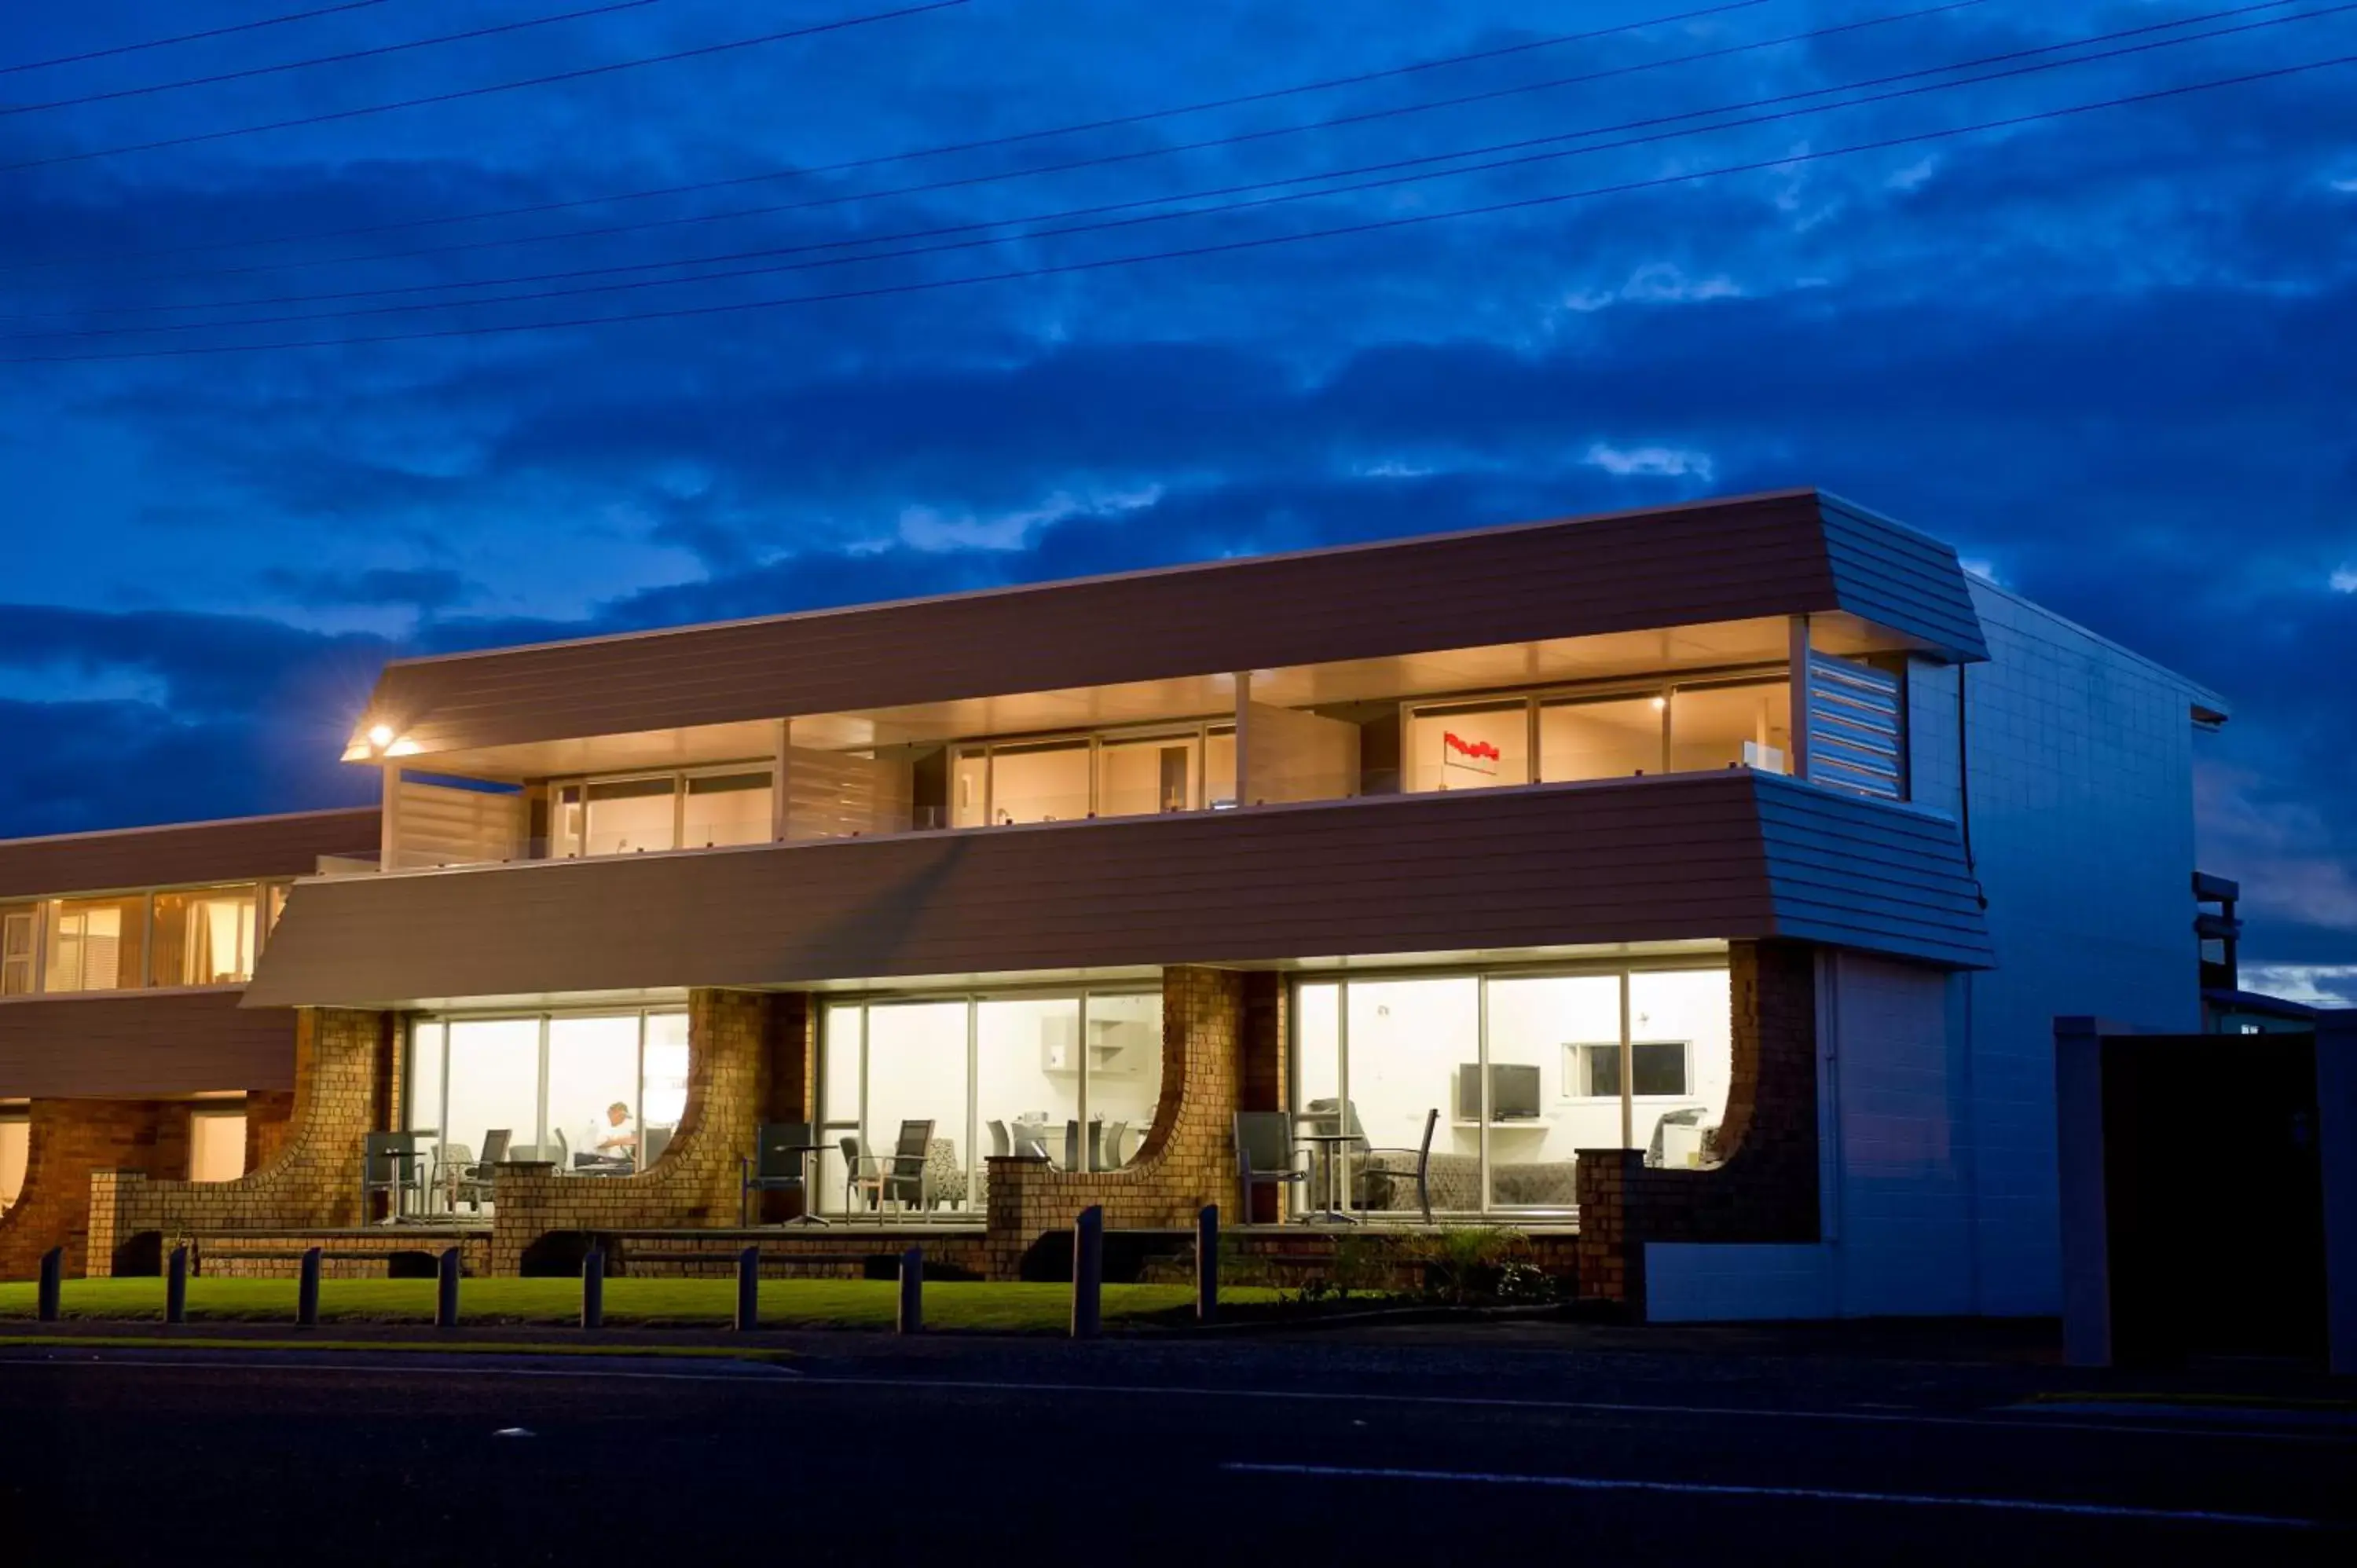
{"points": [[612, 1140]]}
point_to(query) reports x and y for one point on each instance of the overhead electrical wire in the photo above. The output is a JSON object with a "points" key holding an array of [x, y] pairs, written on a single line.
{"points": [[1095, 161], [875, 160], [370, 52], [1226, 247], [578, 73], [1382, 168], [114, 49]]}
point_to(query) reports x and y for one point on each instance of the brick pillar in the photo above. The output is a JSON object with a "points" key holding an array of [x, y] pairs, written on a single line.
{"points": [[1013, 1202], [269, 1122], [1765, 1187], [66, 1140], [313, 1182], [736, 1040]]}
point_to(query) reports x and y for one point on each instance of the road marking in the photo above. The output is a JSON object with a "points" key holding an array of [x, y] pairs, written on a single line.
{"points": [[1805, 1494], [776, 1376]]}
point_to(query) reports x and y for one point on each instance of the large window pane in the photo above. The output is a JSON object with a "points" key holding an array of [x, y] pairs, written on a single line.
{"points": [[916, 1073], [726, 808], [1726, 727], [494, 1085], [1027, 1073], [1476, 746], [1044, 783], [204, 937], [1545, 1102], [1610, 737], [1681, 1053], [425, 1045], [19, 928], [839, 1098], [662, 1083], [1125, 1073], [15, 1134], [969, 786], [628, 815], [1410, 1044], [94, 943], [216, 1146], [1220, 766], [593, 1092], [1139, 777]]}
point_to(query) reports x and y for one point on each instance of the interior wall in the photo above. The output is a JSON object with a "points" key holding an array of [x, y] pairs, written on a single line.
{"points": [[1298, 756]]}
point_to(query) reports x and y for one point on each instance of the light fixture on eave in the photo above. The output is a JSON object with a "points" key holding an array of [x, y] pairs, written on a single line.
{"points": [[379, 739]]}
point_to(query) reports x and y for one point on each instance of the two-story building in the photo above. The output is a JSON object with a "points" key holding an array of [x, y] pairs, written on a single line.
{"points": [[1691, 887], [124, 958]]}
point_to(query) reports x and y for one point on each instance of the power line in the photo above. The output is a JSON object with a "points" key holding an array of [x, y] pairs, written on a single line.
{"points": [[1102, 208], [246, 72], [1366, 226], [111, 52], [1012, 139], [330, 116], [1097, 161], [1421, 161]]}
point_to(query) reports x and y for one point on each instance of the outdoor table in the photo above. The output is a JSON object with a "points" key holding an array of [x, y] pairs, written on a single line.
{"points": [[1336, 1195]]}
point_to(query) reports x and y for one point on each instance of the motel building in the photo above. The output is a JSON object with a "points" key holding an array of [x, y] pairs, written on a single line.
{"points": [[1693, 889]]}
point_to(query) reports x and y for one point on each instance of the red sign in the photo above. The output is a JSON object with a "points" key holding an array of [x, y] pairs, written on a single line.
{"points": [[1456, 751]]}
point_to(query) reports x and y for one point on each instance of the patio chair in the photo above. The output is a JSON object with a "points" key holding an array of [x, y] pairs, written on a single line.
{"points": [[1001, 1146], [1266, 1156], [775, 1165], [897, 1178], [1376, 1167], [465, 1178], [1114, 1134], [389, 1165]]}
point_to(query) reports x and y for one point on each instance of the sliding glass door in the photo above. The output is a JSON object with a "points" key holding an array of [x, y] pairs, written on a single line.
{"points": [[1523, 1070]]}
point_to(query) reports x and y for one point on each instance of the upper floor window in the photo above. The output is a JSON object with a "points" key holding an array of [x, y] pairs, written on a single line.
{"points": [[1116, 773], [629, 815], [1562, 736], [123, 941]]}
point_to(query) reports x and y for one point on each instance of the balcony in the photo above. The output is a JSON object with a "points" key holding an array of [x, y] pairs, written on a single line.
{"points": [[1525, 870], [1701, 700]]}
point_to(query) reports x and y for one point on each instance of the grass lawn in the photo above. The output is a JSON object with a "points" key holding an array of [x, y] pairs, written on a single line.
{"points": [[698, 1303]]}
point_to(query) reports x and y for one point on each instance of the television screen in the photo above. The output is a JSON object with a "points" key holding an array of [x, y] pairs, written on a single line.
{"points": [[1513, 1092]]}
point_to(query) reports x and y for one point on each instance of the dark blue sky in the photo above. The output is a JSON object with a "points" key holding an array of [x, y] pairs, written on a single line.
{"points": [[2112, 354]]}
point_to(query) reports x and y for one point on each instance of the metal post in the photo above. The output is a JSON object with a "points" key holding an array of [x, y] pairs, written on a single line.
{"points": [[306, 1291], [912, 1291], [53, 1270], [1207, 1263], [749, 1290], [593, 1288], [176, 1286], [1088, 1270], [445, 1289]]}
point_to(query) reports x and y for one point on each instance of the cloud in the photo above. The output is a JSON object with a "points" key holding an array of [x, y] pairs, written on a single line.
{"points": [[1670, 462], [421, 588]]}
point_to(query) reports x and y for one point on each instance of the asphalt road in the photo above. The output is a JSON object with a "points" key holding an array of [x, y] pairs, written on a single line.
{"points": [[1243, 1452]]}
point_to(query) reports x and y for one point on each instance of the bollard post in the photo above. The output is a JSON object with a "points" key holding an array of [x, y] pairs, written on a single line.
{"points": [[1088, 1270], [1207, 1263], [911, 1319], [53, 1273], [176, 1286], [445, 1289], [749, 1290], [306, 1291], [593, 1288]]}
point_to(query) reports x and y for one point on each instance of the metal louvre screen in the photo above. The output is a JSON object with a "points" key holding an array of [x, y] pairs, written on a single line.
{"points": [[1854, 728]]}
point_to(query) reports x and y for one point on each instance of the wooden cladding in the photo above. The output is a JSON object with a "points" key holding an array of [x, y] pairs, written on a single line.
{"points": [[1768, 555], [130, 1045], [1731, 856], [243, 849]]}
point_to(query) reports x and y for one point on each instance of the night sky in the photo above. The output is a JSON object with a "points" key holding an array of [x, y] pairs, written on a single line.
{"points": [[2112, 354]]}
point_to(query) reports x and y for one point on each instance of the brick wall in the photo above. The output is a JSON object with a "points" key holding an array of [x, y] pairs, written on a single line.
{"points": [[1208, 1019], [66, 1140], [269, 1120], [343, 1091], [739, 1044], [1765, 1189]]}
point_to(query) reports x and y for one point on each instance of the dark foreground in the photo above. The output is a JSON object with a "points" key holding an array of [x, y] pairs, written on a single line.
{"points": [[1312, 1452]]}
